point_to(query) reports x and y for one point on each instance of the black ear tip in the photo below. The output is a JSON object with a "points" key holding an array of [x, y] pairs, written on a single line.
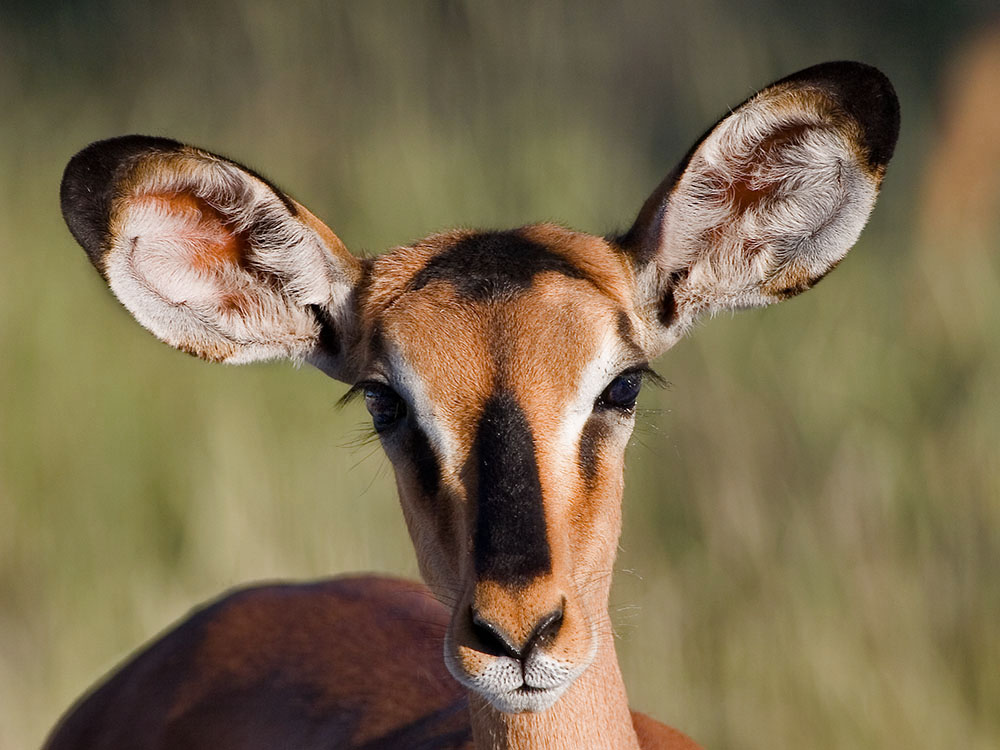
{"points": [[88, 187], [866, 94]]}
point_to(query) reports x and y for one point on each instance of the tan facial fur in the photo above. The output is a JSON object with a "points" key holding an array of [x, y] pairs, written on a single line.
{"points": [[554, 346], [500, 367]]}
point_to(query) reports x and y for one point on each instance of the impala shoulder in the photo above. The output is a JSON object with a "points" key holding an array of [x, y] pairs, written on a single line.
{"points": [[655, 735]]}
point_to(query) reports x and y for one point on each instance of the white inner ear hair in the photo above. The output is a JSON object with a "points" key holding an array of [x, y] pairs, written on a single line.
{"points": [[210, 260], [772, 200]]}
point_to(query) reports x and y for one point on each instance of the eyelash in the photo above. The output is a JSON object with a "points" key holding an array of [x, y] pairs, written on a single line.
{"points": [[631, 380]]}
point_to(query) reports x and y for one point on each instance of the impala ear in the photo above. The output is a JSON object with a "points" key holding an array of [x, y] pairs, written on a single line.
{"points": [[768, 201], [208, 255]]}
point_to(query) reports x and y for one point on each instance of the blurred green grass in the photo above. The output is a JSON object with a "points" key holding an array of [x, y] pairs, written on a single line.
{"points": [[813, 508]]}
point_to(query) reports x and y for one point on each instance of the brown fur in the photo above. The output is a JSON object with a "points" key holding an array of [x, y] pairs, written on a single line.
{"points": [[536, 345], [502, 357], [287, 644]]}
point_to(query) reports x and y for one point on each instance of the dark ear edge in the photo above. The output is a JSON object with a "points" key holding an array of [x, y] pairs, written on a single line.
{"points": [[862, 91], [88, 187], [866, 94]]}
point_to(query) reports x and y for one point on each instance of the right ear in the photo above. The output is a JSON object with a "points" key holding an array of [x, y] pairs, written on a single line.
{"points": [[209, 256], [767, 202]]}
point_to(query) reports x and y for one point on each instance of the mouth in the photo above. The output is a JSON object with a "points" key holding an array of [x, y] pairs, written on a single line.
{"points": [[509, 688]]}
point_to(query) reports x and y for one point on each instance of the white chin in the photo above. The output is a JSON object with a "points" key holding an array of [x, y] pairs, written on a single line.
{"points": [[523, 699], [502, 683]]}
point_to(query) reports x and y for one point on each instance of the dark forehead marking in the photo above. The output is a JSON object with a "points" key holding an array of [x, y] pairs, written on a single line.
{"points": [[487, 265], [510, 541]]}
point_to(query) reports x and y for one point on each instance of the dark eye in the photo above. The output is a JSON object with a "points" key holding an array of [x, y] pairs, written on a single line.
{"points": [[384, 404], [622, 392]]}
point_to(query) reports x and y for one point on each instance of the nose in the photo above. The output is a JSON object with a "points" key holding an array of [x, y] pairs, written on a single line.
{"points": [[498, 641]]}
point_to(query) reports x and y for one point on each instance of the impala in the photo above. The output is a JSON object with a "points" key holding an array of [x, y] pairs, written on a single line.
{"points": [[501, 370]]}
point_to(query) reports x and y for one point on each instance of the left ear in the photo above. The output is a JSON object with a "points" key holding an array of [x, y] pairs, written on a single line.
{"points": [[210, 256], [768, 201]]}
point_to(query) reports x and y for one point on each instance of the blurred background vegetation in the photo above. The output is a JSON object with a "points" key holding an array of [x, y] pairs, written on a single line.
{"points": [[812, 547]]}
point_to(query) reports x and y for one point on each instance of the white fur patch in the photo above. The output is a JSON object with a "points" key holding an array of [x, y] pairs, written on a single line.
{"points": [[610, 360], [508, 688], [408, 383]]}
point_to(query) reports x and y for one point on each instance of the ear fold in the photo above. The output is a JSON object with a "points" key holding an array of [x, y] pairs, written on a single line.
{"points": [[768, 201], [208, 255]]}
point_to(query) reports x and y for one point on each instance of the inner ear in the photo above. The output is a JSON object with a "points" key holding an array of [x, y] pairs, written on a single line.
{"points": [[764, 206], [190, 249]]}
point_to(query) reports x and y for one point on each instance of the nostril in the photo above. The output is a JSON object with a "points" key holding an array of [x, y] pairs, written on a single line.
{"points": [[492, 639], [546, 630], [495, 641]]}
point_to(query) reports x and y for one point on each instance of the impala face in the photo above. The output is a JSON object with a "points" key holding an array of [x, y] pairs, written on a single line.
{"points": [[506, 418], [501, 369]]}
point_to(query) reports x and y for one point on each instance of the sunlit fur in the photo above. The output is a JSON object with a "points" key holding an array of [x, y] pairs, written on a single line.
{"points": [[216, 262], [556, 347]]}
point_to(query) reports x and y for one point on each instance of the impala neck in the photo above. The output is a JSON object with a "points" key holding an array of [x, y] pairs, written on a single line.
{"points": [[592, 714]]}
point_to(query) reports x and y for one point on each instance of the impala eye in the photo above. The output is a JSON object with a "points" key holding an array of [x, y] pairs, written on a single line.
{"points": [[622, 392], [384, 404]]}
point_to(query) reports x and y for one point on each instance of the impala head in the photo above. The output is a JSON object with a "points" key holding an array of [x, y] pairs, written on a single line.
{"points": [[501, 369]]}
